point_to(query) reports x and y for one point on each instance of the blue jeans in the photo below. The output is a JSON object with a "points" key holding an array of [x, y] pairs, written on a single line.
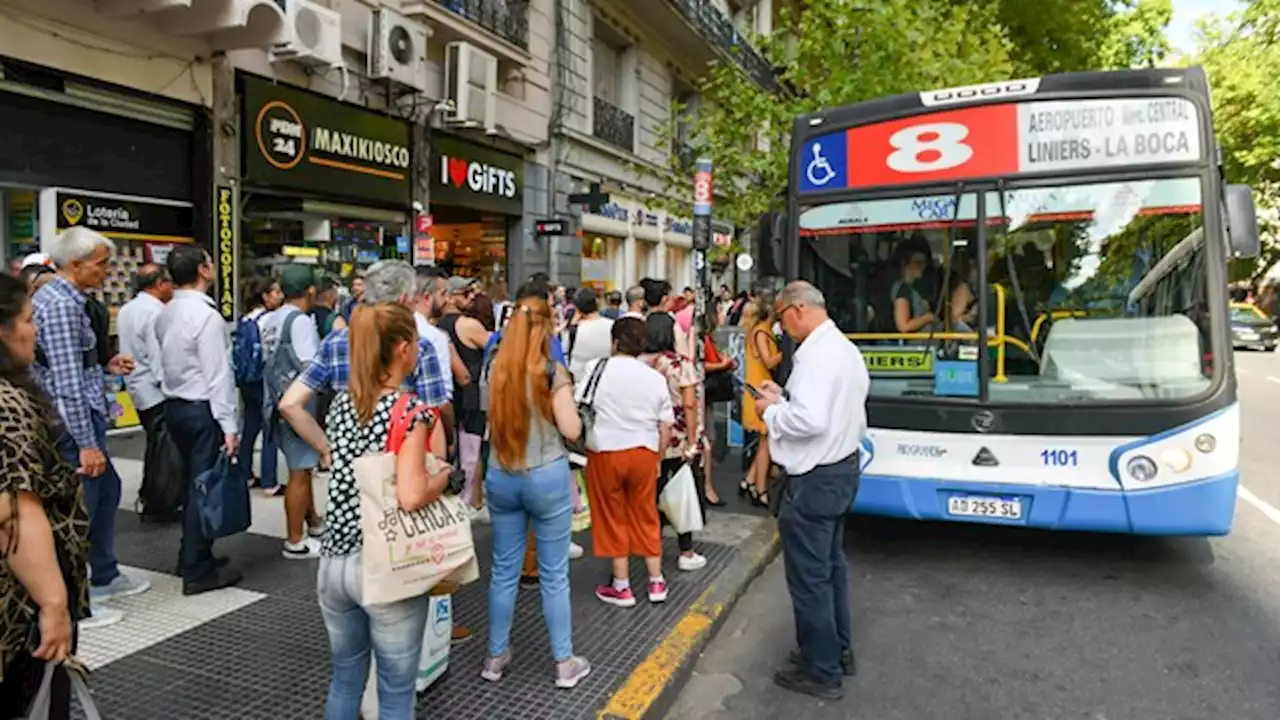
{"points": [[541, 496], [102, 498], [393, 631], [251, 397], [811, 527]]}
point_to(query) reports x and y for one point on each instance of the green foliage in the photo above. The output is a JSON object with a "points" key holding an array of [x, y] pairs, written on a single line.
{"points": [[1241, 53], [836, 52]]}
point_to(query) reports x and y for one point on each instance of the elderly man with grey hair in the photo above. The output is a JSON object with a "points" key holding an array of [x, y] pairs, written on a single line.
{"points": [[816, 426], [635, 303], [69, 366]]}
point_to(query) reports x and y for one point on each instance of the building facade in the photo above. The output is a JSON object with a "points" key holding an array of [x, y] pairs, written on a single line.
{"points": [[621, 66]]}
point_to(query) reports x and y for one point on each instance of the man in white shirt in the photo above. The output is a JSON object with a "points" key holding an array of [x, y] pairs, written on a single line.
{"points": [[816, 427], [635, 303], [290, 340], [136, 325], [196, 377], [590, 338]]}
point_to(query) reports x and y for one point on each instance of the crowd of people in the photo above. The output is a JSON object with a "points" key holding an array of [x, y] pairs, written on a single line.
{"points": [[495, 386]]}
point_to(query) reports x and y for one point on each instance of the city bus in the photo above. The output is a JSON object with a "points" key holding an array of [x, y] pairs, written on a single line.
{"points": [[1035, 274]]}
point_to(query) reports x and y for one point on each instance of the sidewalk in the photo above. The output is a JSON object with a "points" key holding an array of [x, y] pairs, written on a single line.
{"points": [[261, 651]]}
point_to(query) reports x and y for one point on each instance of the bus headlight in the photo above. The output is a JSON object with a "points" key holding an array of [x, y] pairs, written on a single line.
{"points": [[1141, 468], [1176, 459], [1205, 443]]}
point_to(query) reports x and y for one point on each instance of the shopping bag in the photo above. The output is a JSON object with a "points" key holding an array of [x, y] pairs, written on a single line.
{"points": [[679, 501], [405, 554], [222, 497], [41, 706], [582, 506], [437, 636]]}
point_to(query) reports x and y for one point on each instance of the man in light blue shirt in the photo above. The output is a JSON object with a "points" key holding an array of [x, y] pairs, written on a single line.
{"points": [[136, 325]]}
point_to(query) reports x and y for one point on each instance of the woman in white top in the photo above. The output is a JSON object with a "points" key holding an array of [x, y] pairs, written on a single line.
{"points": [[633, 419], [589, 337]]}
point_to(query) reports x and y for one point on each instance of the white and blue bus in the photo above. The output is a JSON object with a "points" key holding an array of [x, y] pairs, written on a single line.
{"points": [[1035, 272]]}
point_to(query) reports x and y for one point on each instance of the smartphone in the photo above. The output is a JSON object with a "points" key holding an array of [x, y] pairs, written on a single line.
{"points": [[755, 391]]}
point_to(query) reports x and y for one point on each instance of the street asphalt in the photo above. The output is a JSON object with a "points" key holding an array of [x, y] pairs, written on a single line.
{"points": [[964, 622]]}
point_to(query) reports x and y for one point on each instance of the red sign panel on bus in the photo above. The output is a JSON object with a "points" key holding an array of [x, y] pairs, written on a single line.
{"points": [[1002, 140]]}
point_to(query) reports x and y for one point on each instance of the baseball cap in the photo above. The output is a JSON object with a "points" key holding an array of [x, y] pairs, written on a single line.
{"points": [[295, 279], [460, 284], [37, 259]]}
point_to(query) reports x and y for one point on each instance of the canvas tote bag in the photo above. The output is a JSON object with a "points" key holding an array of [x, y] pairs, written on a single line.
{"points": [[405, 554]]}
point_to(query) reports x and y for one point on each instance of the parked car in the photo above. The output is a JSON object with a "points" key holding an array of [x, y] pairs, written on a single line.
{"points": [[1251, 328]]}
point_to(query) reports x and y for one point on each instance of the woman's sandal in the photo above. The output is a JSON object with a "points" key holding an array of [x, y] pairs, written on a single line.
{"points": [[758, 497]]}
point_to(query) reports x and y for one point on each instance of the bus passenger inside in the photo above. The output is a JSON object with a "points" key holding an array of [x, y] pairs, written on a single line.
{"points": [[911, 311], [963, 305]]}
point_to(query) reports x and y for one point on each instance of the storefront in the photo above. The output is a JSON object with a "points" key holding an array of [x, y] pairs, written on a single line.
{"points": [[477, 198], [627, 241], [127, 164], [325, 183]]}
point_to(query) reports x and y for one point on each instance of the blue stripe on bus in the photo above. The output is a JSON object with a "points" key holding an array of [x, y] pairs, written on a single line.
{"points": [[1201, 507]]}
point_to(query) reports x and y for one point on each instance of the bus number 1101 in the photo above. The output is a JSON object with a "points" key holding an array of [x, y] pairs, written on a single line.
{"points": [[1058, 458]]}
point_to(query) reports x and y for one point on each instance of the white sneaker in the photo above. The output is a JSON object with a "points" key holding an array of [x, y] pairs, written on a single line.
{"points": [[689, 563], [122, 586], [317, 531], [101, 617], [575, 551], [308, 549], [481, 516]]}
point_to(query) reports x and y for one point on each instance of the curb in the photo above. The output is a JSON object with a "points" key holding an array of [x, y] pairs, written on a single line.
{"points": [[652, 687]]}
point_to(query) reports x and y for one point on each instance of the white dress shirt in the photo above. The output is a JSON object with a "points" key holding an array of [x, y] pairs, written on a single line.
{"points": [[195, 356], [826, 417], [439, 340], [136, 325]]}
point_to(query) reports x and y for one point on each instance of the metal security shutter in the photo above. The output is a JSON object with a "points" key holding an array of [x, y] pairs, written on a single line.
{"points": [[35, 81]]}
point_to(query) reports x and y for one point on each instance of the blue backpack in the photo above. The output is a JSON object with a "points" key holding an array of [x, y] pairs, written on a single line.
{"points": [[246, 352]]}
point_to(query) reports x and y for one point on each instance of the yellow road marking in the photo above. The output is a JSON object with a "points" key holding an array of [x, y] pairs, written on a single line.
{"points": [[647, 681]]}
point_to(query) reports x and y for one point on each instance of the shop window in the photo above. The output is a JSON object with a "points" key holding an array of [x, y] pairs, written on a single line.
{"points": [[474, 248], [19, 225]]}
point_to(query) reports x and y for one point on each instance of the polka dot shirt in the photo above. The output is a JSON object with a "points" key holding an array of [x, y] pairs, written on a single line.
{"points": [[348, 440]]}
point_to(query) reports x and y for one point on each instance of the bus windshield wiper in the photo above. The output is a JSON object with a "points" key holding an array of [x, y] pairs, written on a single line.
{"points": [[1013, 272], [944, 294]]}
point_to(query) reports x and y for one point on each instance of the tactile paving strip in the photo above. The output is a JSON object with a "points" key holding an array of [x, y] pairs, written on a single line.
{"points": [[270, 660]]}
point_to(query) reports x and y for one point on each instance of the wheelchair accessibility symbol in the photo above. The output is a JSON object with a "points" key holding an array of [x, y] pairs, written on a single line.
{"points": [[819, 171]]}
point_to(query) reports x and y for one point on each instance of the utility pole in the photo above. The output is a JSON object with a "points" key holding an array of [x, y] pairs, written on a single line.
{"points": [[702, 195]]}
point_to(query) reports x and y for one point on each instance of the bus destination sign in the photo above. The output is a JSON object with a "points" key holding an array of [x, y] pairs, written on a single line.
{"points": [[1003, 140]]}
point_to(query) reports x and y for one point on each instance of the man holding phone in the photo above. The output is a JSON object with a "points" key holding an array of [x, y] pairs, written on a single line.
{"points": [[816, 425]]}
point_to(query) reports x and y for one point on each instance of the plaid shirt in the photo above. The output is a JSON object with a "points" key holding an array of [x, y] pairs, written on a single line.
{"points": [[64, 333], [330, 368]]}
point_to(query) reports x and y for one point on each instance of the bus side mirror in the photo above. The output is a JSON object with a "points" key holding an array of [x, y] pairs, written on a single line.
{"points": [[1242, 222]]}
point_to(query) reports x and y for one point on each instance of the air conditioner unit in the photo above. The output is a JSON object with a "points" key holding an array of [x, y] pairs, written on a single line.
{"points": [[471, 85], [398, 49], [315, 35]]}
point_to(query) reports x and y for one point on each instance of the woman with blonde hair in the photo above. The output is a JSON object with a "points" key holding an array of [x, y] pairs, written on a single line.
{"points": [[531, 407], [384, 351], [763, 357]]}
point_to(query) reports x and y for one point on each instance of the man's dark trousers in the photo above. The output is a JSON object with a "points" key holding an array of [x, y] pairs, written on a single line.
{"points": [[199, 438], [811, 525], [102, 498]]}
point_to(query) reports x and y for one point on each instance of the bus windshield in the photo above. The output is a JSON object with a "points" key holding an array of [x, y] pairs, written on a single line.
{"points": [[1094, 292]]}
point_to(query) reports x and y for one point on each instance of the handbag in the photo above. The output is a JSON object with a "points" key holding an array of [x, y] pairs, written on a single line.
{"points": [[222, 497], [406, 554], [587, 409], [42, 705], [679, 501]]}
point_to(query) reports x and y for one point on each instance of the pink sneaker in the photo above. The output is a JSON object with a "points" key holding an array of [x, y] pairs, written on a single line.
{"points": [[618, 598], [657, 591]]}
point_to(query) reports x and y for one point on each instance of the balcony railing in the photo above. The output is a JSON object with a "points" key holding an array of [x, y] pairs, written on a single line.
{"points": [[613, 125], [508, 19], [704, 16]]}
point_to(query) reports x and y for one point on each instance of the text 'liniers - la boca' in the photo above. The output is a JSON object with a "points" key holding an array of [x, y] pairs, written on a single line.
{"points": [[1108, 132]]}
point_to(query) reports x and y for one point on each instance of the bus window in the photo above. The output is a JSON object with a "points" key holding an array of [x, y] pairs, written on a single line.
{"points": [[899, 278], [1106, 284]]}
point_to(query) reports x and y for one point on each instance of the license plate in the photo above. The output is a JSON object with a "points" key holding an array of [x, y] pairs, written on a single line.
{"points": [[985, 506]]}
